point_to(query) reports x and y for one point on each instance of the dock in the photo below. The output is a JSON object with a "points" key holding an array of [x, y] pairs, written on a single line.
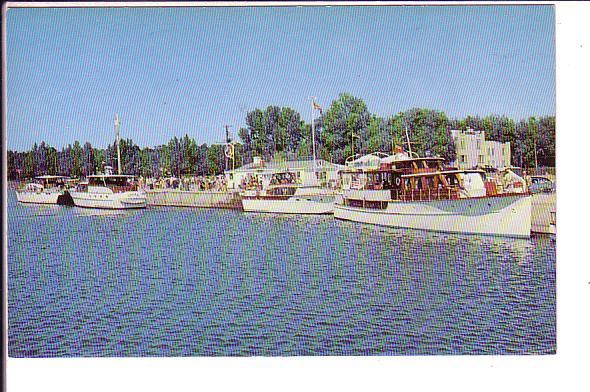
{"points": [[203, 199], [543, 213]]}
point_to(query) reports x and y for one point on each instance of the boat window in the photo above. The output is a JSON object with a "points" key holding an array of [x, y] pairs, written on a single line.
{"points": [[284, 191]]}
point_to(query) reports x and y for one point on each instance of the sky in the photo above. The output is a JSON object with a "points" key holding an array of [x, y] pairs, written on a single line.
{"points": [[174, 71]]}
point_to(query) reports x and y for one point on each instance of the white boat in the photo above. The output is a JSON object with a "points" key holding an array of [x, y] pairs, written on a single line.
{"points": [[109, 191], [290, 187], [289, 199], [45, 190], [419, 193]]}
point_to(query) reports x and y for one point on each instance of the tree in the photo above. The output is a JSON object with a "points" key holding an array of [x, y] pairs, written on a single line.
{"points": [[88, 163], [345, 121]]}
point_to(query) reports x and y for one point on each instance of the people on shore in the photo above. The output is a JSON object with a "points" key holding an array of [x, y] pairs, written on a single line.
{"points": [[185, 183]]}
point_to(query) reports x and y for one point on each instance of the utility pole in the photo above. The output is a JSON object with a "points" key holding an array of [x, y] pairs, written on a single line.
{"points": [[535, 147]]}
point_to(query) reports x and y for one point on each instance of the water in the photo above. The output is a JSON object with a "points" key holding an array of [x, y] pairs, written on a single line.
{"points": [[206, 282]]}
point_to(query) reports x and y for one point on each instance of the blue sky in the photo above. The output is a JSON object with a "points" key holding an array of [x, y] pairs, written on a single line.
{"points": [[176, 71]]}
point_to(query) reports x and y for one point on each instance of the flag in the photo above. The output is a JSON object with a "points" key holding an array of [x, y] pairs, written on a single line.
{"points": [[316, 106]]}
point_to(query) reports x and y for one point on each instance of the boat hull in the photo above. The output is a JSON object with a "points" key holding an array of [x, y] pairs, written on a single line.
{"points": [[38, 197], [500, 216], [113, 201], [292, 205]]}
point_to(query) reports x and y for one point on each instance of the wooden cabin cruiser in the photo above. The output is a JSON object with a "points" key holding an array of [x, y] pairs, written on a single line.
{"points": [[46, 190], [109, 191], [285, 193], [419, 193]]}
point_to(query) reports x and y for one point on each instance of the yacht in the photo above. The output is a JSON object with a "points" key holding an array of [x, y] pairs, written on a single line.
{"points": [[45, 190], [289, 199], [407, 191], [285, 193], [109, 190], [290, 187]]}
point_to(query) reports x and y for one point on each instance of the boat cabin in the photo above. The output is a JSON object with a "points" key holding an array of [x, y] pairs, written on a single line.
{"points": [[47, 182], [403, 178], [116, 182], [51, 181]]}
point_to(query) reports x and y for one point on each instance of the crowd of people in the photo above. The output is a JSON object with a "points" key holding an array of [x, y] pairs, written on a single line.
{"points": [[187, 183]]}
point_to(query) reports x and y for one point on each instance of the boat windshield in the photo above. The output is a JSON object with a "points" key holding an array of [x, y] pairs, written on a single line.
{"points": [[284, 178], [107, 181], [50, 182]]}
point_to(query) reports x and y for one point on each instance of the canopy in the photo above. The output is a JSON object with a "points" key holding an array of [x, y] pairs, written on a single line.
{"points": [[368, 160]]}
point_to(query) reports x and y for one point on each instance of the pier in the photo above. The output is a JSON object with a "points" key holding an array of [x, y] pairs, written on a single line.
{"points": [[543, 213], [203, 199]]}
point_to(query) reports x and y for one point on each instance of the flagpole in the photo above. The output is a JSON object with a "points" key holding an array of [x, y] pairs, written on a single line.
{"points": [[117, 125]]}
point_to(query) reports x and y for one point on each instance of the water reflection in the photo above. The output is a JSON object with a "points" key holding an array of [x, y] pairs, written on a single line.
{"points": [[173, 281]]}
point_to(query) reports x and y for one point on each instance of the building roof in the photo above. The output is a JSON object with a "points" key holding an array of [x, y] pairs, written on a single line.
{"points": [[274, 166]]}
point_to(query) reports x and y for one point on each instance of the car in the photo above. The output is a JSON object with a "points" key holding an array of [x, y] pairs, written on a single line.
{"points": [[541, 184]]}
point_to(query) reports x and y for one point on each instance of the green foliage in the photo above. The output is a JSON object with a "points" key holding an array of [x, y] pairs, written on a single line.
{"points": [[279, 132], [344, 128]]}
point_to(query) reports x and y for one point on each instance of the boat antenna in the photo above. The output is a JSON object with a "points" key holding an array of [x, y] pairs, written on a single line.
{"points": [[117, 127]]}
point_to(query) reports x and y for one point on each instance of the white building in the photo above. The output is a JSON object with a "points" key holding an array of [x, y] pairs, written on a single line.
{"points": [[326, 173], [474, 151]]}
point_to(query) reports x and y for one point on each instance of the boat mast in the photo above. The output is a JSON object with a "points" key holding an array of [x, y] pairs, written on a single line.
{"points": [[313, 132], [117, 126], [408, 140]]}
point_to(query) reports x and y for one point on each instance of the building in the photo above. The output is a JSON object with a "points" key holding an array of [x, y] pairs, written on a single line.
{"points": [[473, 150], [326, 173]]}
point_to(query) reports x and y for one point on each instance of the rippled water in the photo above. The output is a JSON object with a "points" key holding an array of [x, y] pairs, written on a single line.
{"points": [[206, 282]]}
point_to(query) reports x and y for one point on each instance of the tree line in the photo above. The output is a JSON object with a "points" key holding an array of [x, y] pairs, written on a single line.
{"points": [[343, 129], [176, 158]]}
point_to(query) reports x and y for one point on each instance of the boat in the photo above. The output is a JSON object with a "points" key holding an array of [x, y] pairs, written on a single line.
{"points": [[46, 189], [109, 190], [290, 187], [406, 191], [286, 193]]}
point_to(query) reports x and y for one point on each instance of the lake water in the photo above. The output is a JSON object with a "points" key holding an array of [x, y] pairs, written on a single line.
{"points": [[206, 282]]}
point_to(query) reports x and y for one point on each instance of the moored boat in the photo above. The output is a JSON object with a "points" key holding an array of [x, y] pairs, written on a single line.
{"points": [[289, 199], [289, 187], [109, 191], [420, 193], [45, 190]]}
